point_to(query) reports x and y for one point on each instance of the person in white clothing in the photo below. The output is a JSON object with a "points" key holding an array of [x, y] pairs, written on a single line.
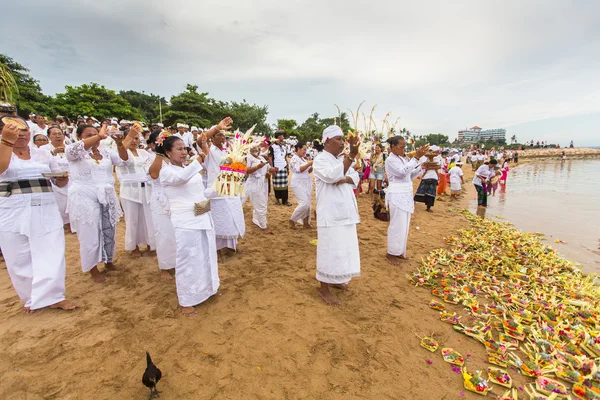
{"points": [[56, 147], [257, 187], [39, 127], [196, 268], [227, 212], [338, 258], [399, 196], [93, 206], [31, 234], [301, 185], [456, 180], [164, 234], [135, 193]]}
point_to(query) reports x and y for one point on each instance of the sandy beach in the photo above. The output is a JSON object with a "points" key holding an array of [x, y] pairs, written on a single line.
{"points": [[267, 336]]}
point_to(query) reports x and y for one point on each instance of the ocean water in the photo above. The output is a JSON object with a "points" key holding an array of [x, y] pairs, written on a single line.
{"points": [[557, 199]]}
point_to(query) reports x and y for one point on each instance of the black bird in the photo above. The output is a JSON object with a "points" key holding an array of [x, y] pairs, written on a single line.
{"points": [[151, 377]]}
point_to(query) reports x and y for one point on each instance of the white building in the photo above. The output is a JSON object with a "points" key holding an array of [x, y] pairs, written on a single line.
{"points": [[476, 134]]}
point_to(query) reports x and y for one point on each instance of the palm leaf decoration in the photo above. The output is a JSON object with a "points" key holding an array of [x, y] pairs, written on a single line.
{"points": [[9, 91]]}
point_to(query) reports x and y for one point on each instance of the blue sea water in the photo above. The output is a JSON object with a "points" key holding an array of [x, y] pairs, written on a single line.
{"points": [[558, 199]]}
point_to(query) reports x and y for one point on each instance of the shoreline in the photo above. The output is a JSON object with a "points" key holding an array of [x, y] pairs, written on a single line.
{"points": [[362, 349]]}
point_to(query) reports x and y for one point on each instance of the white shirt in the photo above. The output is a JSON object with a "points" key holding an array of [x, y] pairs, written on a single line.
{"points": [[295, 164], [336, 204], [279, 153], [400, 172], [184, 187], [431, 173], [484, 171], [35, 129], [212, 163], [455, 174], [256, 180], [132, 174]]}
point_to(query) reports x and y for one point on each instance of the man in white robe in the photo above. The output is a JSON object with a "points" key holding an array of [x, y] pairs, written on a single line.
{"points": [[338, 259]]}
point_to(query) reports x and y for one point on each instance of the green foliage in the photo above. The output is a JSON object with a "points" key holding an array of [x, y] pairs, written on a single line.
{"points": [[246, 115], [314, 125], [147, 104], [194, 108], [30, 97], [94, 100], [433, 139], [9, 90]]}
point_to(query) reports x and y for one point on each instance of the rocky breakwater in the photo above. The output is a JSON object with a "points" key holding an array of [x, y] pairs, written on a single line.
{"points": [[557, 153]]}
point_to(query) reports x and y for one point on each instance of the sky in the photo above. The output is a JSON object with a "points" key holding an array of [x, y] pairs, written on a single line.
{"points": [[438, 66]]}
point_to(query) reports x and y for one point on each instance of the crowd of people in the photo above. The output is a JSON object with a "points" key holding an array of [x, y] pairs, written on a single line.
{"points": [[57, 178]]}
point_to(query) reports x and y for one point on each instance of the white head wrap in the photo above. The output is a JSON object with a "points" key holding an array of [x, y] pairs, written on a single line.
{"points": [[180, 125], [194, 129], [331, 132], [160, 125]]}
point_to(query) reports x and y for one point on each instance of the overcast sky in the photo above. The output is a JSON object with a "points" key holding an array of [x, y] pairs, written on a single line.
{"points": [[531, 67]]}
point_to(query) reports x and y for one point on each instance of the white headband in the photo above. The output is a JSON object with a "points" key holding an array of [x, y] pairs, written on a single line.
{"points": [[331, 132]]}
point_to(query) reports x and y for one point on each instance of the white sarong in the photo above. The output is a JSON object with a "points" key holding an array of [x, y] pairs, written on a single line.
{"points": [[338, 258], [398, 231], [302, 188], [196, 271], [139, 228], [228, 217]]}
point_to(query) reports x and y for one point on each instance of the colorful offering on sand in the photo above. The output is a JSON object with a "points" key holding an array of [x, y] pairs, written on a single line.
{"points": [[453, 357], [500, 377], [550, 386], [475, 383], [436, 305], [429, 343]]}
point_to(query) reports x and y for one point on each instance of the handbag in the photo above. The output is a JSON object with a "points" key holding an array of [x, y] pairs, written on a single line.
{"points": [[202, 207]]}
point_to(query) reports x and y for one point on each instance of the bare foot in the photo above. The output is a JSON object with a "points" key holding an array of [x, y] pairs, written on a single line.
{"points": [[165, 275], [394, 260], [307, 226], [97, 276], [326, 295], [64, 305], [292, 224], [404, 257], [342, 286], [136, 253], [187, 311], [267, 232], [111, 267], [28, 310], [429, 210]]}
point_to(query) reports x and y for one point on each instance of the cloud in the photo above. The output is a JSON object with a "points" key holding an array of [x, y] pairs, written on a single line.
{"points": [[441, 66]]}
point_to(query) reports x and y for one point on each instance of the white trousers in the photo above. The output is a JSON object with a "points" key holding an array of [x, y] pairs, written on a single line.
{"points": [[164, 236], [196, 269], [398, 231], [338, 258], [259, 199], [303, 194], [61, 201], [139, 228], [36, 265], [95, 246]]}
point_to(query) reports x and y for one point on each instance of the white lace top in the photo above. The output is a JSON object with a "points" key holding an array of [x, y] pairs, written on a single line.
{"points": [[159, 203], [132, 174], [256, 180], [15, 210], [400, 172], [92, 182]]}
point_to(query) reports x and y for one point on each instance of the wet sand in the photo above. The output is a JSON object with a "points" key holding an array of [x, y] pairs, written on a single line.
{"points": [[267, 336]]}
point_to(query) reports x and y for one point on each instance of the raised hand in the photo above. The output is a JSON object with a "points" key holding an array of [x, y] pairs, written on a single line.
{"points": [[353, 141], [421, 151], [102, 133], [225, 124], [10, 132]]}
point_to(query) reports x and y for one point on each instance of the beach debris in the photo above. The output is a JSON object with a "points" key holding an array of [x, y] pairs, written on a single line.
{"points": [[528, 307], [453, 357]]}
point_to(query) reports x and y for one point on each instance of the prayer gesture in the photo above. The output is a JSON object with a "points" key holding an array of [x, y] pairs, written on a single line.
{"points": [[10, 132], [354, 143], [421, 151], [58, 150], [102, 133], [225, 124]]}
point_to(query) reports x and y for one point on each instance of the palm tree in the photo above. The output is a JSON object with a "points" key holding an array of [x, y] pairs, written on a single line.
{"points": [[9, 91]]}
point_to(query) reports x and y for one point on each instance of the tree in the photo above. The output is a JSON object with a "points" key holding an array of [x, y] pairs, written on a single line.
{"points": [[288, 125], [436, 139], [246, 115], [94, 100], [30, 97], [147, 104], [9, 90], [191, 107]]}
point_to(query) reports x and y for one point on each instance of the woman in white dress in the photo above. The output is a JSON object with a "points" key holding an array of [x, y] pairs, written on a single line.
{"points": [[196, 269], [164, 234], [135, 193], [257, 186], [399, 197], [93, 207], [31, 234], [301, 185], [57, 148]]}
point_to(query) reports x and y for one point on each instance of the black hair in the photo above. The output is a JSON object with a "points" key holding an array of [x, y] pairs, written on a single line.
{"points": [[167, 145], [54, 127], [39, 134], [494, 162], [394, 140], [153, 136], [82, 128], [444, 153], [299, 145], [317, 145], [280, 132]]}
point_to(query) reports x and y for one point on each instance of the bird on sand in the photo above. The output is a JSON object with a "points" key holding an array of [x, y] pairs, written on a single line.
{"points": [[151, 377]]}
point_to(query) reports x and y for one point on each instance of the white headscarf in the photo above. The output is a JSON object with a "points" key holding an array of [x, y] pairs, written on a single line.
{"points": [[331, 132]]}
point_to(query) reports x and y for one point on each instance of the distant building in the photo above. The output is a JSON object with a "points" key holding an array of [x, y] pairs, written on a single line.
{"points": [[476, 134]]}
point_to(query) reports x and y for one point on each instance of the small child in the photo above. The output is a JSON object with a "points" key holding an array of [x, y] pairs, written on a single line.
{"points": [[456, 179]]}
